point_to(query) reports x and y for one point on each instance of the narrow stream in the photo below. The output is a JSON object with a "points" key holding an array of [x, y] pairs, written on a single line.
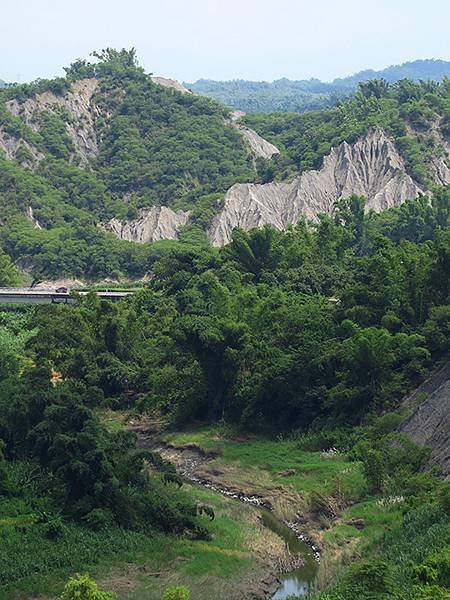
{"points": [[298, 581]]}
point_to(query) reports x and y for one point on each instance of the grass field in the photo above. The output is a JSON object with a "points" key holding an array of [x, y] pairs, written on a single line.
{"points": [[376, 517], [261, 464]]}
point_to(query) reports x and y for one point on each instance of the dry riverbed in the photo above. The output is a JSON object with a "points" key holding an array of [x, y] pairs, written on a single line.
{"points": [[267, 548], [243, 560]]}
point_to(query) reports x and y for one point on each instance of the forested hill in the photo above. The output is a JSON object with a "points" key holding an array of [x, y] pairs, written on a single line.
{"points": [[108, 152], [99, 143], [286, 95]]}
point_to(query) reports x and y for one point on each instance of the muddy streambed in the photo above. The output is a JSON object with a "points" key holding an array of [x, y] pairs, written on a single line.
{"points": [[296, 581]]}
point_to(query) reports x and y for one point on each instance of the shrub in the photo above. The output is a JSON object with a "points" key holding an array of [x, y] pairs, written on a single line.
{"points": [[436, 568], [82, 587], [176, 593], [99, 518], [430, 592], [444, 498], [372, 576], [54, 529], [5, 484], [373, 469], [387, 424]]}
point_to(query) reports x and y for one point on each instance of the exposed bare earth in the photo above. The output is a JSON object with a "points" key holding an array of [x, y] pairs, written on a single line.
{"points": [[78, 103], [11, 147], [429, 424], [198, 466], [372, 167], [235, 482], [171, 83], [267, 549], [257, 583], [440, 162], [56, 283], [30, 216], [153, 224], [258, 145], [81, 128]]}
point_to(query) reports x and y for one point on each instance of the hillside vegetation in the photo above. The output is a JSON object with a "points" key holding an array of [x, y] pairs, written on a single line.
{"points": [[416, 115], [154, 146], [294, 349], [248, 333], [106, 140]]}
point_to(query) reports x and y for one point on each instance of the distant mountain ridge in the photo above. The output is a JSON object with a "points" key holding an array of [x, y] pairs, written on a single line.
{"points": [[430, 68], [285, 95]]}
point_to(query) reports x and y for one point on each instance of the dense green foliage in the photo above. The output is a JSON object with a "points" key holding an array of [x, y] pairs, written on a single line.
{"points": [[410, 112], [9, 276], [412, 562], [249, 333], [285, 95], [60, 466], [83, 472], [70, 551], [165, 146], [72, 492], [314, 327]]}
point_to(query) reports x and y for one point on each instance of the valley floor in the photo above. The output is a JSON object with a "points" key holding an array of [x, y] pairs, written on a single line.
{"points": [[322, 493]]}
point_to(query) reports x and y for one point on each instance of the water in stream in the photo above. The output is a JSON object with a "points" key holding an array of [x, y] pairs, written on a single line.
{"points": [[298, 581]]}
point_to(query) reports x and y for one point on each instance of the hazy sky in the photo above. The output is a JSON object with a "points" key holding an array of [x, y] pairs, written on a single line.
{"points": [[227, 39]]}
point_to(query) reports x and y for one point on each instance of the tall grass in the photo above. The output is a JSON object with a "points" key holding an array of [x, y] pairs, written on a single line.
{"points": [[25, 550], [31, 563]]}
